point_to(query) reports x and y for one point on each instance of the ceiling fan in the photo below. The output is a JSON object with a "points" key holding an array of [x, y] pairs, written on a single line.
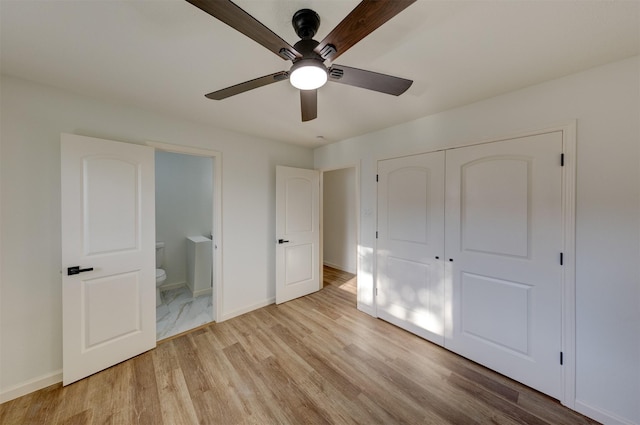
{"points": [[309, 71]]}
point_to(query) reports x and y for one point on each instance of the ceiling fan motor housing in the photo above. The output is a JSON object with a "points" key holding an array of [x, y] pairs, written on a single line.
{"points": [[305, 47], [308, 72], [306, 23]]}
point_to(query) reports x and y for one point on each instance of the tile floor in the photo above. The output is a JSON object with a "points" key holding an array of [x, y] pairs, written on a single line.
{"points": [[180, 312]]}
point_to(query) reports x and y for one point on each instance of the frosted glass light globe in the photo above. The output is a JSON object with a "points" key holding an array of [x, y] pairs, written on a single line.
{"points": [[308, 74]]}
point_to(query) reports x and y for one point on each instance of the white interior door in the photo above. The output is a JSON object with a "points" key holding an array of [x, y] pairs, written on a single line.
{"points": [[504, 239], [108, 229], [297, 232], [410, 245]]}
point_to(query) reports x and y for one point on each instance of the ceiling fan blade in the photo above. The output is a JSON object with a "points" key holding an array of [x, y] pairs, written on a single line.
{"points": [[369, 80], [363, 20], [309, 104], [248, 85], [234, 16]]}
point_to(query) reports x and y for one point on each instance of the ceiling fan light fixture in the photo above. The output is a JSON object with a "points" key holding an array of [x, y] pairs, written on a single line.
{"points": [[308, 74]]}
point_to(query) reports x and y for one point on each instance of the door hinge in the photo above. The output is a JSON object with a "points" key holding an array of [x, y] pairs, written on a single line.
{"points": [[562, 160], [376, 177], [376, 291], [376, 234], [561, 259], [561, 358]]}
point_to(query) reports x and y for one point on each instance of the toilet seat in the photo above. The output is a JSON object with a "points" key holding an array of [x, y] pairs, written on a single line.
{"points": [[160, 274]]}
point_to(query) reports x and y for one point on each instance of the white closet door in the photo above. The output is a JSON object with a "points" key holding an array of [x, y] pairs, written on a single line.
{"points": [[504, 238], [410, 244]]}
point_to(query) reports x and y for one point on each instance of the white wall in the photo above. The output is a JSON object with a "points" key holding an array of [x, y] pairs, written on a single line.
{"points": [[32, 118], [606, 103], [339, 219], [184, 207]]}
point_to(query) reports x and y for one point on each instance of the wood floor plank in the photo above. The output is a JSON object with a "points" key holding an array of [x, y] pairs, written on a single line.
{"points": [[221, 373], [320, 365], [175, 401], [247, 331], [256, 395], [309, 371], [81, 418], [316, 359], [44, 406], [110, 395], [223, 335], [196, 379], [73, 402], [410, 389], [29, 408], [146, 408], [292, 398], [549, 409], [498, 403], [343, 410], [486, 382]]}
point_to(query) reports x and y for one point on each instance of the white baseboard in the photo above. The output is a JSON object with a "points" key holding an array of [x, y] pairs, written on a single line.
{"points": [[205, 291], [168, 286], [30, 386], [199, 292], [339, 267], [601, 415], [241, 311]]}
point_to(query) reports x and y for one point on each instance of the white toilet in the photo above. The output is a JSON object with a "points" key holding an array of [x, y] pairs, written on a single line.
{"points": [[161, 276]]}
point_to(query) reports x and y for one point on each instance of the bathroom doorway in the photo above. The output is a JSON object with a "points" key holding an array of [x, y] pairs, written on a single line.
{"points": [[187, 238], [340, 227]]}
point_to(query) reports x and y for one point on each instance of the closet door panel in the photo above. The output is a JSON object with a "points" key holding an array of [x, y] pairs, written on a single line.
{"points": [[410, 287], [503, 244]]}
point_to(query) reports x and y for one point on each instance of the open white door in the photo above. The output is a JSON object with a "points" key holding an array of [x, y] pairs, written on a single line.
{"points": [[297, 232], [108, 234]]}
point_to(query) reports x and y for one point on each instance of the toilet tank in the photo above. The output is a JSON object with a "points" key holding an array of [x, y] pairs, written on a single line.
{"points": [[159, 254]]}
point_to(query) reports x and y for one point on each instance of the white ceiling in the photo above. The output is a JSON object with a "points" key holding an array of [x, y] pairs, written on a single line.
{"points": [[164, 55]]}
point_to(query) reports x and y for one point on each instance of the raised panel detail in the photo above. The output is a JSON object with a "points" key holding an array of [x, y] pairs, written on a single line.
{"points": [[102, 323], [408, 212], [111, 205], [299, 206], [496, 311], [495, 206], [299, 263], [410, 294]]}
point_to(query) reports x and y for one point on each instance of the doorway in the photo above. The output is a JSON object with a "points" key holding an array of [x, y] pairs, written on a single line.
{"points": [[340, 228], [187, 238]]}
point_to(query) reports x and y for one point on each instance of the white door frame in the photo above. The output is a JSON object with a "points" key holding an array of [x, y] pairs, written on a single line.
{"points": [[568, 325], [216, 158]]}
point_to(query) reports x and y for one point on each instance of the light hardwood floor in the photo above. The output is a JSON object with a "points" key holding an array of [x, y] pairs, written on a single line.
{"points": [[314, 360]]}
